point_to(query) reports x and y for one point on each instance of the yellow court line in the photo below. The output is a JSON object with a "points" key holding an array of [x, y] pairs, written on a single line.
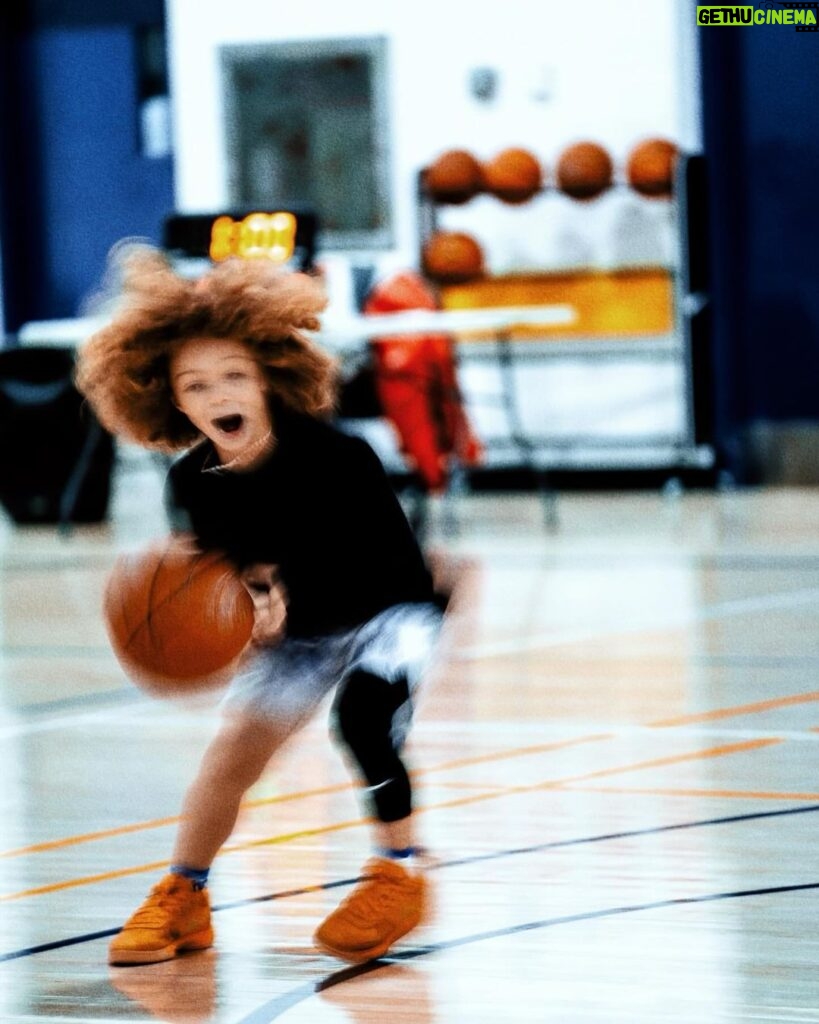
{"points": [[540, 748], [696, 755], [499, 786], [660, 762], [88, 837], [158, 865], [740, 709], [142, 826], [730, 794], [56, 844], [722, 713]]}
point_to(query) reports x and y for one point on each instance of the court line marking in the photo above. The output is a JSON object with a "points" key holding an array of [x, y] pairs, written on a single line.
{"points": [[103, 699], [56, 844], [729, 794], [725, 609], [661, 762], [696, 755], [781, 812], [81, 718], [749, 709], [711, 794], [755, 660], [481, 651], [277, 1007], [50, 564], [56, 651], [733, 711]]}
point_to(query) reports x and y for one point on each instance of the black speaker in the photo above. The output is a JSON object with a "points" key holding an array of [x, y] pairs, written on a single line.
{"points": [[55, 458], [695, 285], [692, 191]]}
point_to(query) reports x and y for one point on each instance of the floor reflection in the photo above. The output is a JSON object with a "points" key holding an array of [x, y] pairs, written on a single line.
{"points": [[180, 991], [405, 990]]}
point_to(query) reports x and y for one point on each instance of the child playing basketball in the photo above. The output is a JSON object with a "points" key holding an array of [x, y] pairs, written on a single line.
{"points": [[344, 602]]}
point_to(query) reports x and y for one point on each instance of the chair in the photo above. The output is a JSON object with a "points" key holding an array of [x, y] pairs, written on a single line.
{"points": [[55, 458]]}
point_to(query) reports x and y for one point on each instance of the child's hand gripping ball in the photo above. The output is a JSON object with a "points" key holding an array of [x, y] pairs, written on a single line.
{"points": [[178, 618]]}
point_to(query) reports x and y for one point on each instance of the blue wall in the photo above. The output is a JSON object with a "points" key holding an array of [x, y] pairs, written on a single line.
{"points": [[781, 90], [761, 135], [76, 181]]}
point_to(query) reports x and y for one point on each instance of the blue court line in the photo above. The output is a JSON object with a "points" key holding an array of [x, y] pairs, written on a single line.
{"points": [[46, 947], [56, 562], [760, 563], [54, 651], [756, 660], [124, 695], [275, 1008]]}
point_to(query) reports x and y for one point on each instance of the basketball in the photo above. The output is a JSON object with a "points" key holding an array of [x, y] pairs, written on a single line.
{"points": [[454, 177], [177, 618], [584, 170], [650, 168], [452, 257], [514, 175]]}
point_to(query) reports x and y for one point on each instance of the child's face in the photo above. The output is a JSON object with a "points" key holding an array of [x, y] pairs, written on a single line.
{"points": [[222, 390]]}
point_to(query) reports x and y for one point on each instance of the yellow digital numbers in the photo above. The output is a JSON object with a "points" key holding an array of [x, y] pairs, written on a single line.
{"points": [[269, 236]]}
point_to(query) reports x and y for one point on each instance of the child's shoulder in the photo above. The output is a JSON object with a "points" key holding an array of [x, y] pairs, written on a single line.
{"points": [[304, 441], [334, 456], [321, 437], [186, 470], [190, 461]]}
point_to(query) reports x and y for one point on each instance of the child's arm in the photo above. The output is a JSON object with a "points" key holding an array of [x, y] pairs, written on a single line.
{"points": [[269, 602]]}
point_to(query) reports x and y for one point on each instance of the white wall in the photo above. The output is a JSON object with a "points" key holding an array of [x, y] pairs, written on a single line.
{"points": [[614, 71], [610, 70]]}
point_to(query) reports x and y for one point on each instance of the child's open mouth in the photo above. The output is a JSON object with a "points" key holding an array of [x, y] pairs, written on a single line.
{"points": [[229, 424]]}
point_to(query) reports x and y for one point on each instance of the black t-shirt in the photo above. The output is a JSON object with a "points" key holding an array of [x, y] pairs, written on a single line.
{"points": [[322, 509]]}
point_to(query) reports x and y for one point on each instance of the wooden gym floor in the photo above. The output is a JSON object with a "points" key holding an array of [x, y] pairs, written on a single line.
{"points": [[615, 766]]}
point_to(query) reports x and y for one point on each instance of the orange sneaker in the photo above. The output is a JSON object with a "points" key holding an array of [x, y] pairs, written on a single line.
{"points": [[387, 903], [173, 919]]}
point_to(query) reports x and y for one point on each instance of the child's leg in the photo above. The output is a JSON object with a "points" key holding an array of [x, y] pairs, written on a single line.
{"points": [[268, 702], [396, 835], [371, 716], [176, 915], [232, 763]]}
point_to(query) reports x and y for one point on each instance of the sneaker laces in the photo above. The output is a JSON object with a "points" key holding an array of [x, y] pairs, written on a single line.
{"points": [[165, 900], [377, 893]]}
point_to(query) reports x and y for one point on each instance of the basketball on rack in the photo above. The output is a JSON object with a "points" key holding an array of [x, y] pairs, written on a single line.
{"points": [[452, 257], [454, 177], [650, 168], [177, 617], [584, 170], [514, 175]]}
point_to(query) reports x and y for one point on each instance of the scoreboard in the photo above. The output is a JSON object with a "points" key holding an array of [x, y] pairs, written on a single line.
{"points": [[286, 236]]}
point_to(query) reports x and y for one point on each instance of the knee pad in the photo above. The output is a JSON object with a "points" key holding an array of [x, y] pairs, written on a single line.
{"points": [[365, 713]]}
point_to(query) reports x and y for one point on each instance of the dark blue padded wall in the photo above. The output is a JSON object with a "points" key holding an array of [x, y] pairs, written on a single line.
{"points": [[74, 179], [761, 140], [96, 186], [781, 88]]}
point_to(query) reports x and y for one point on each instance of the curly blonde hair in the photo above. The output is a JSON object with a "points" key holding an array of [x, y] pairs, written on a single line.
{"points": [[123, 369]]}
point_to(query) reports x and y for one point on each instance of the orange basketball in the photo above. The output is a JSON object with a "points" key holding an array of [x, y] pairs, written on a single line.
{"points": [[650, 168], [584, 170], [514, 175], [452, 257], [454, 177], [177, 618]]}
